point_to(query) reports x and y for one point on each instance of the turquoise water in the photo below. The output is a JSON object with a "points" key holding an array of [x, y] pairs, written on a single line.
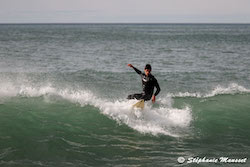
{"points": [[63, 92]]}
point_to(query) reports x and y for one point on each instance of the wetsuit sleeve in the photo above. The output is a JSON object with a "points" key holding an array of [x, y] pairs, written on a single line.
{"points": [[137, 71], [158, 89]]}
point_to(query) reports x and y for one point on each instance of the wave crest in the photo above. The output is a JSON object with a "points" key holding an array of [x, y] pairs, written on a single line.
{"points": [[232, 88]]}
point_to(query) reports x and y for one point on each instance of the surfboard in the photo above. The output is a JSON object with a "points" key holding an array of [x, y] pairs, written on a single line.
{"points": [[139, 104]]}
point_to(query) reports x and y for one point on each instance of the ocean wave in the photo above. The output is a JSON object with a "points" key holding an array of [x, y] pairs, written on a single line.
{"points": [[152, 120], [232, 88], [162, 119]]}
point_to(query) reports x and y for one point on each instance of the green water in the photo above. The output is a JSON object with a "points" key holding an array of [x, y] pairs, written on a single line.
{"points": [[37, 133]]}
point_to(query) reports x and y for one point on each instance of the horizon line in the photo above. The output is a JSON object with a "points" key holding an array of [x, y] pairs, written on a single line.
{"points": [[121, 23]]}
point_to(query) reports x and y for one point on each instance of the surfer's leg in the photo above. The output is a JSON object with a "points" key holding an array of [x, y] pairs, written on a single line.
{"points": [[137, 96], [146, 97]]}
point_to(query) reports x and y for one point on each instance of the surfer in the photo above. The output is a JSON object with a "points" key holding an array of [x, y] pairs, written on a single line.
{"points": [[148, 84]]}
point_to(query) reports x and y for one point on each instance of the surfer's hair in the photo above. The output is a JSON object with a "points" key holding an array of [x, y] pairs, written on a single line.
{"points": [[148, 66]]}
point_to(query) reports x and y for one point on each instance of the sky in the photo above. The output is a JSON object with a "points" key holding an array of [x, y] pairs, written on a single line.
{"points": [[124, 11]]}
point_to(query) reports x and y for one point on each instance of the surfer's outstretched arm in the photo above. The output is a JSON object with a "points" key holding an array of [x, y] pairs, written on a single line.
{"points": [[136, 70]]}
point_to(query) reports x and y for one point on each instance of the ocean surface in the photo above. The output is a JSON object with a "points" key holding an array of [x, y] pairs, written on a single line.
{"points": [[63, 90]]}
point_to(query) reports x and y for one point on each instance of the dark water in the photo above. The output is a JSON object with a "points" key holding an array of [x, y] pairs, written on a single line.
{"points": [[63, 94]]}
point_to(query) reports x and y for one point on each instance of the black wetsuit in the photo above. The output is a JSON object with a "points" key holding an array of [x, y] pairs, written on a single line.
{"points": [[148, 84]]}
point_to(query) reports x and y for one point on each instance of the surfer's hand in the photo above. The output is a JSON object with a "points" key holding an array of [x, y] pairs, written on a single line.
{"points": [[153, 99], [130, 65]]}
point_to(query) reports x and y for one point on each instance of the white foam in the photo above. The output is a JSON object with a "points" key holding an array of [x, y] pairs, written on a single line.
{"points": [[232, 88], [185, 94], [7, 89], [163, 120], [36, 91]]}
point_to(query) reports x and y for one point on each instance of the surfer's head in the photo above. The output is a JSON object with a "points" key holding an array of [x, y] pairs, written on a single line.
{"points": [[147, 69]]}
